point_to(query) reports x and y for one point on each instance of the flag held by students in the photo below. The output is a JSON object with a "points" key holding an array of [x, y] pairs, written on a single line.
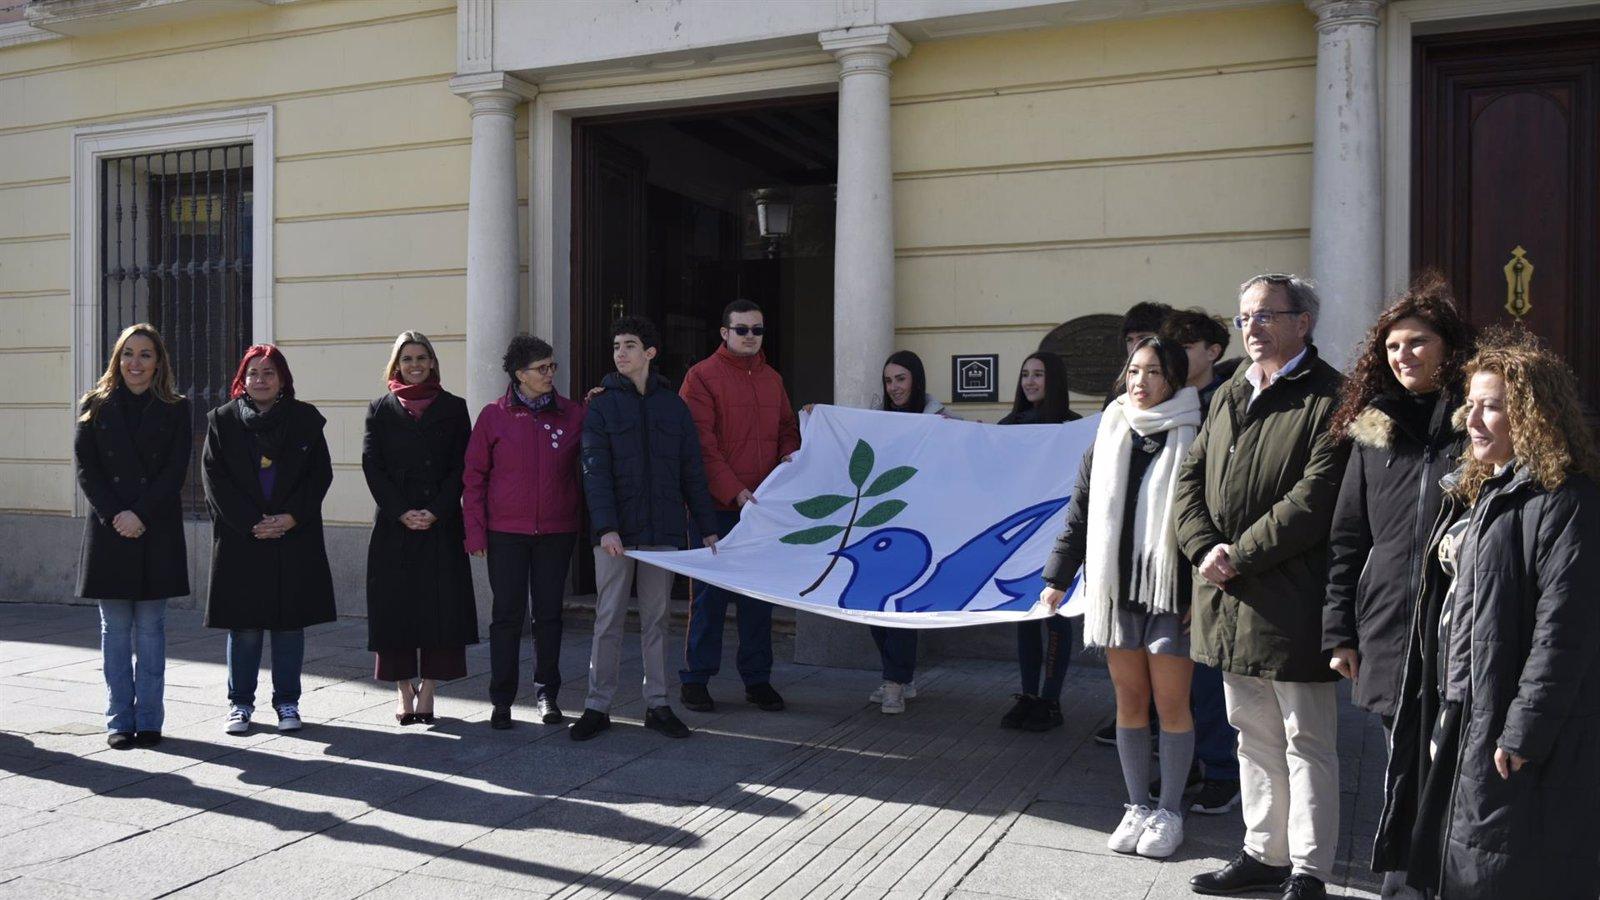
{"points": [[905, 520]]}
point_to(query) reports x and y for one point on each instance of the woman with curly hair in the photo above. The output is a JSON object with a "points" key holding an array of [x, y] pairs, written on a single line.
{"points": [[520, 503], [1493, 776]]}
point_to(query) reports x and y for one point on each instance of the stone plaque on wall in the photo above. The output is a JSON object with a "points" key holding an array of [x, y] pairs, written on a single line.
{"points": [[1092, 348]]}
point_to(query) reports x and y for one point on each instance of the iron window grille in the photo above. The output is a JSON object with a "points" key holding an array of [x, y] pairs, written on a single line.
{"points": [[175, 251]]}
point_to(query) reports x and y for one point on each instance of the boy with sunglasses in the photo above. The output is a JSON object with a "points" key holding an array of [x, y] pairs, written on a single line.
{"points": [[746, 427]]}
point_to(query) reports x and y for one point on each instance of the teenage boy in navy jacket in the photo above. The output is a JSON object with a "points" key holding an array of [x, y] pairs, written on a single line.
{"points": [[641, 468]]}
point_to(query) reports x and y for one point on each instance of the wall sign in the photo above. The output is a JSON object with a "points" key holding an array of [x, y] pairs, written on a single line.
{"points": [[973, 378], [1091, 346]]}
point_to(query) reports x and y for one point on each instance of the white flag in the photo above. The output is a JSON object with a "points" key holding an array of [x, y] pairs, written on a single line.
{"points": [[912, 521]]}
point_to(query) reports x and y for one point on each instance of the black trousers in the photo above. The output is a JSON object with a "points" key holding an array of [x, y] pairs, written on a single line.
{"points": [[526, 570]]}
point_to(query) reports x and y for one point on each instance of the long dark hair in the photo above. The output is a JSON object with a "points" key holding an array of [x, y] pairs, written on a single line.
{"points": [[1174, 364], [1056, 404], [1429, 301], [912, 363]]}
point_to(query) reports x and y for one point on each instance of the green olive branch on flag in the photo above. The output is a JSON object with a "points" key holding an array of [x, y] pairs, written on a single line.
{"points": [[862, 461]]}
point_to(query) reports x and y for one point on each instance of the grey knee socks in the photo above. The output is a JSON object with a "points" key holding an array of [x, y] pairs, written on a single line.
{"points": [[1133, 747], [1177, 755]]}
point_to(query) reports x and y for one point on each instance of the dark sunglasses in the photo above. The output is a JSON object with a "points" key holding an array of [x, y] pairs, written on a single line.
{"points": [[742, 330]]}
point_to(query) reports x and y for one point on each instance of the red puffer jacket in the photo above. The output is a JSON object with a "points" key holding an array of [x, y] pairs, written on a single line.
{"points": [[522, 470], [744, 418]]}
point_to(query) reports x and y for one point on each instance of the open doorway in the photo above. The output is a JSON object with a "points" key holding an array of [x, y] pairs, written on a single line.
{"points": [[676, 214]]}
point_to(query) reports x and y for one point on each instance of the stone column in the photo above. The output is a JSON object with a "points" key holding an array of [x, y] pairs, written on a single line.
{"points": [[863, 275], [1346, 164], [863, 263], [493, 303]]}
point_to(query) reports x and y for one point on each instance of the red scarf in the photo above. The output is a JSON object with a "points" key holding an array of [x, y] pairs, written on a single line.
{"points": [[416, 398]]}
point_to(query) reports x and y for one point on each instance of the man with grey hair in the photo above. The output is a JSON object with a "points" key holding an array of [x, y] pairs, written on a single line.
{"points": [[1254, 502]]}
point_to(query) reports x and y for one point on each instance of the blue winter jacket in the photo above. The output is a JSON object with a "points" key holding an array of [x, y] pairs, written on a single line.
{"points": [[642, 471]]}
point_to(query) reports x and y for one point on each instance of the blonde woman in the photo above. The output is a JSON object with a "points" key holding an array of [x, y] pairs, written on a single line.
{"points": [[420, 610], [131, 450]]}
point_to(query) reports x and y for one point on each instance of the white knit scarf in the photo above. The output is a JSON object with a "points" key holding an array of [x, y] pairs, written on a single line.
{"points": [[1154, 581]]}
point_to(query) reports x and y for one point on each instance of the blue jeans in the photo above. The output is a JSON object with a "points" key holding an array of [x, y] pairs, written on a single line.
{"points": [[244, 665], [133, 650], [897, 647], [1216, 743], [1044, 648], [702, 651]]}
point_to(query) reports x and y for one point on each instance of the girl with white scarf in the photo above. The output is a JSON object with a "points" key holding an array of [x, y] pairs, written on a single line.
{"points": [[1137, 584]]}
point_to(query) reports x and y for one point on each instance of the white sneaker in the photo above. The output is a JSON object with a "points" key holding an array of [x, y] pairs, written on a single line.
{"points": [[1126, 838], [289, 717], [1163, 832], [894, 698], [239, 720], [908, 691]]}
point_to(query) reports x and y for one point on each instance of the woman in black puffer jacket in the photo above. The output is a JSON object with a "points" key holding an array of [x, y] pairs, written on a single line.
{"points": [[1396, 412], [1493, 772]]}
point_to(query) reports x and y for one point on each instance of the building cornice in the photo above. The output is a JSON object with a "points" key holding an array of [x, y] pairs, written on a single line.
{"points": [[876, 39], [493, 83]]}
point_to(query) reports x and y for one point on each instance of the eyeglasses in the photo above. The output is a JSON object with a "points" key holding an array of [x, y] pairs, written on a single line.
{"points": [[546, 369], [742, 330], [1264, 317]]}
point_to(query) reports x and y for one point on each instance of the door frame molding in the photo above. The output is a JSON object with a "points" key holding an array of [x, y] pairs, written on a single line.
{"points": [[1403, 21], [552, 166]]}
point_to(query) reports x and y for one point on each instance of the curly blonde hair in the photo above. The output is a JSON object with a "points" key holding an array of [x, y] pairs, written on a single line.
{"points": [[1549, 436]]}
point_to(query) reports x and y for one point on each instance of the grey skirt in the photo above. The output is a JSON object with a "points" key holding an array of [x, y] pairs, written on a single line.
{"points": [[1161, 634]]}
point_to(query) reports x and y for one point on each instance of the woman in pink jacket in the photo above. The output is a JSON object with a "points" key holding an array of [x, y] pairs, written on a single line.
{"points": [[520, 504]]}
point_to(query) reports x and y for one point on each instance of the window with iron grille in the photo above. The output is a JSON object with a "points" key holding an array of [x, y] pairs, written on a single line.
{"points": [[176, 251]]}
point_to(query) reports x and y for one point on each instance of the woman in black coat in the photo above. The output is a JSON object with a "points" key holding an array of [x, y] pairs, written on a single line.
{"points": [[1396, 413], [1495, 764], [266, 470], [1044, 649], [132, 448], [421, 612]]}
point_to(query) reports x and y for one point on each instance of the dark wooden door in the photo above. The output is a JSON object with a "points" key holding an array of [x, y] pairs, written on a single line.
{"points": [[609, 270], [1505, 157]]}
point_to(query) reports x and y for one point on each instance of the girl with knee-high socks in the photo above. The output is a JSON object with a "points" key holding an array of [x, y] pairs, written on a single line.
{"points": [[1044, 649], [1136, 584], [131, 451], [266, 470]]}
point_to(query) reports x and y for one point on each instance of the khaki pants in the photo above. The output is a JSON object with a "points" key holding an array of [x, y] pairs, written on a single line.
{"points": [[1288, 770], [614, 576]]}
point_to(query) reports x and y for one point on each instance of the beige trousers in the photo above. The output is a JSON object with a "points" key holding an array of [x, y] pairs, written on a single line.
{"points": [[1288, 770], [614, 577]]}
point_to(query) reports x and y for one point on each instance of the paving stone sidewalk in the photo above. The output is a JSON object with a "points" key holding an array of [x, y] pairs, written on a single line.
{"points": [[827, 799]]}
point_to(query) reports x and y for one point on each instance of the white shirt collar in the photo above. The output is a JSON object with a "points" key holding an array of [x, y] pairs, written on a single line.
{"points": [[1253, 374]]}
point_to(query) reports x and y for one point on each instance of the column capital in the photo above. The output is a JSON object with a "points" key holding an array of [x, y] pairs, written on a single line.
{"points": [[490, 86], [882, 44], [1336, 13]]}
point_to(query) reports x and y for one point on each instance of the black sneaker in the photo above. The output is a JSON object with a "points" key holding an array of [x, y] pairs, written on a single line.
{"points": [[1045, 715], [1217, 796], [764, 696], [661, 719], [1019, 711], [697, 698], [1243, 873], [500, 719], [549, 711], [120, 740], [1193, 782], [591, 723], [146, 738], [1304, 887], [1106, 735]]}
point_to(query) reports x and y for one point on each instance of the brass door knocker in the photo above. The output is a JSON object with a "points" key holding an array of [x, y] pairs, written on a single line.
{"points": [[1519, 274]]}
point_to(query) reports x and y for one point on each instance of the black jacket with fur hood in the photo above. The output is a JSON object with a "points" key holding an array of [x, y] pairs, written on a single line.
{"points": [[1387, 504]]}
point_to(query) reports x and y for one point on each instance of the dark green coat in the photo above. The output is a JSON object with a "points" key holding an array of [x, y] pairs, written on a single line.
{"points": [[1264, 481]]}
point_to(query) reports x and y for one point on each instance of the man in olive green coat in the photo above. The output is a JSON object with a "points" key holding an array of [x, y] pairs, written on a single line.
{"points": [[1253, 505]]}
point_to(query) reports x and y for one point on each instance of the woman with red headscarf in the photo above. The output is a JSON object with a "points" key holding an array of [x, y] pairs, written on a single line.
{"points": [[266, 469]]}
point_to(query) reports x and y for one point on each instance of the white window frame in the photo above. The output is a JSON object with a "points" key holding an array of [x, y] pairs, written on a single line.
{"points": [[93, 143]]}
